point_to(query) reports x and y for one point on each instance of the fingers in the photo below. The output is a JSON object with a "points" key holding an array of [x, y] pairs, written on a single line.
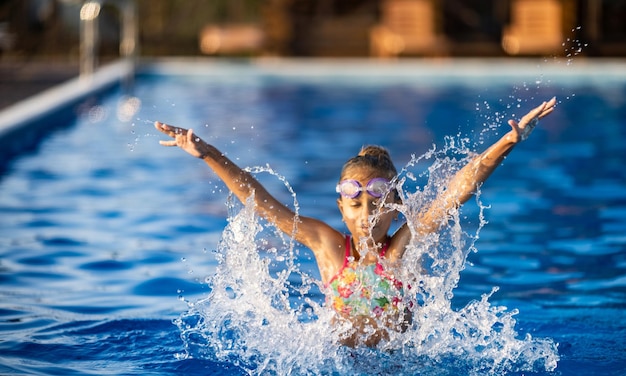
{"points": [[160, 126], [168, 143], [537, 111], [548, 108], [528, 122], [540, 111], [169, 129], [546, 112]]}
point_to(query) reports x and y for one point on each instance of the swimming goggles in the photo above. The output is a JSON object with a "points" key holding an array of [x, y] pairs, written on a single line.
{"points": [[351, 188]]}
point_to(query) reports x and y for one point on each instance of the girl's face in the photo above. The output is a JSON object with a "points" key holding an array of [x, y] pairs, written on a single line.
{"points": [[358, 211]]}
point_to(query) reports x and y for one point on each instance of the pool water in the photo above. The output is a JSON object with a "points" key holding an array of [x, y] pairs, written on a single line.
{"points": [[114, 249]]}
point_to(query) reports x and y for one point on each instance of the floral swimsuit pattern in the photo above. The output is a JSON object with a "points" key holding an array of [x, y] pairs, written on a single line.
{"points": [[363, 289]]}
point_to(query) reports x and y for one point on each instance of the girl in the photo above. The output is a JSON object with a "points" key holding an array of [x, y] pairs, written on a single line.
{"points": [[358, 287]]}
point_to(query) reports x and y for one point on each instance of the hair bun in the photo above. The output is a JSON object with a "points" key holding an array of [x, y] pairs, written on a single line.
{"points": [[372, 157], [378, 152]]}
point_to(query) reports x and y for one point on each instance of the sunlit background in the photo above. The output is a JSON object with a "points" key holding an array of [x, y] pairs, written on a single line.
{"points": [[40, 39]]}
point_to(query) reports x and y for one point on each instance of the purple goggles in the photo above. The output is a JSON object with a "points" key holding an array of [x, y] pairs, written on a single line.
{"points": [[351, 188]]}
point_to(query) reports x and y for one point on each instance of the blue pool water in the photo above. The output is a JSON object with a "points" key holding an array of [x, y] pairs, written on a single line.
{"points": [[114, 253]]}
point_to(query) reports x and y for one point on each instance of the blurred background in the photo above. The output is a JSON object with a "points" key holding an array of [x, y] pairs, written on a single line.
{"points": [[40, 39]]}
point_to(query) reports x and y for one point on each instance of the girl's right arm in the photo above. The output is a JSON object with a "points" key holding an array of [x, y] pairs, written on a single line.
{"points": [[238, 181], [314, 234]]}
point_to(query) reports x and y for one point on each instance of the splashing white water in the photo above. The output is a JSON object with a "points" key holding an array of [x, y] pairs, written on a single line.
{"points": [[263, 317]]}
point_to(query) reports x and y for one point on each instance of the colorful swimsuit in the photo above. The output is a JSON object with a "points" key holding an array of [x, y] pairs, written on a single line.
{"points": [[363, 289]]}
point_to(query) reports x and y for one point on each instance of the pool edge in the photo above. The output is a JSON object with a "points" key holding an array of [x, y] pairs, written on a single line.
{"points": [[23, 125], [420, 69]]}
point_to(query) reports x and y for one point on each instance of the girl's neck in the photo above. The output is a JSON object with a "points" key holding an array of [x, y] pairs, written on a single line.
{"points": [[371, 248]]}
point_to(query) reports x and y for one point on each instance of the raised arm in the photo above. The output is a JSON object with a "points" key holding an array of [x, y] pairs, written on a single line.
{"points": [[238, 181], [466, 181], [323, 240]]}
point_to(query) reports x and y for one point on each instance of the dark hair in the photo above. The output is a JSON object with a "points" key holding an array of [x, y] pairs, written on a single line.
{"points": [[375, 158]]}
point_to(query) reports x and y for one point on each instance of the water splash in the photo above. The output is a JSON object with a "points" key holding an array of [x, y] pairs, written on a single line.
{"points": [[263, 315]]}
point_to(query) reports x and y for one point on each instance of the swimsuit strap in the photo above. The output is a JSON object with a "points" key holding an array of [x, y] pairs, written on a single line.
{"points": [[345, 260], [348, 254], [385, 246]]}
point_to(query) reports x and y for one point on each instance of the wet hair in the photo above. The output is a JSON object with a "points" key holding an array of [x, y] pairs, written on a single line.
{"points": [[374, 158]]}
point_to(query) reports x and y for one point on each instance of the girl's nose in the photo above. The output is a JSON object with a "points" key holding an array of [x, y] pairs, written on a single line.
{"points": [[367, 211]]}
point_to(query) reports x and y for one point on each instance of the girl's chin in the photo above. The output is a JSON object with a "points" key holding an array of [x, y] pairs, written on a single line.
{"points": [[366, 234]]}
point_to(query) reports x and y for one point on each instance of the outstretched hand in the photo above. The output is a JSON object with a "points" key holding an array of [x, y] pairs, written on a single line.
{"points": [[528, 122], [184, 139]]}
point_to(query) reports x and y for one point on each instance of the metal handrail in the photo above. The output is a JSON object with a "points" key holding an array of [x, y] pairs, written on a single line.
{"points": [[90, 38]]}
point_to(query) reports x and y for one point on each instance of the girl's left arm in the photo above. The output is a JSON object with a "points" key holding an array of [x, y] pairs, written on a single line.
{"points": [[467, 180]]}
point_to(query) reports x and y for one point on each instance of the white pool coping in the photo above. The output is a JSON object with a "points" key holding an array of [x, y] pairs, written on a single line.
{"points": [[469, 71], [562, 71], [38, 106]]}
